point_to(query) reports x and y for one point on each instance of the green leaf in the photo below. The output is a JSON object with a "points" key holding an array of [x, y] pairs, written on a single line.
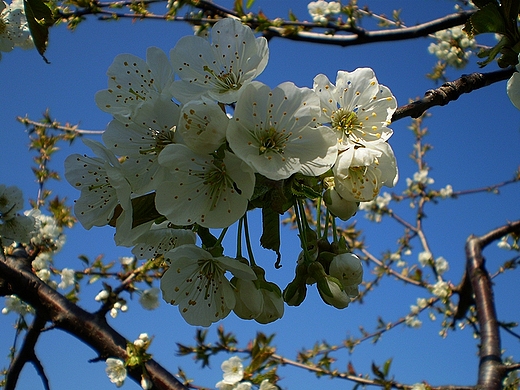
{"points": [[271, 231], [488, 19], [483, 3], [386, 367], [39, 18], [250, 3]]}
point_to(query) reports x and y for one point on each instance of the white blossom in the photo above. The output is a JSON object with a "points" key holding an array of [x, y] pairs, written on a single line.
{"points": [[446, 192], [233, 370], [425, 258], [102, 296], [321, 10], [452, 46], [266, 385], [195, 281], [116, 371], [441, 265], [13, 304], [14, 30], [339, 207], [347, 268], [221, 66], [357, 108], [441, 289], [206, 190], [68, 278], [146, 383], [275, 132]]}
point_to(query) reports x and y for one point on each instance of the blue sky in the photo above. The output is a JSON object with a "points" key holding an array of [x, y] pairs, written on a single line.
{"points": [[475, 143]]}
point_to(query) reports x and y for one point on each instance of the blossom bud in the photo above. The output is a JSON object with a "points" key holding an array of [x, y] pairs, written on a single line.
{"points": [[339, 207], [332, 292], [347, 268]]}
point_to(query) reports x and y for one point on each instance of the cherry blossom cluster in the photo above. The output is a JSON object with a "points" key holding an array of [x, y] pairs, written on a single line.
{"points": [[322, 11], [452, 46], [14, 30], [196, 142]]}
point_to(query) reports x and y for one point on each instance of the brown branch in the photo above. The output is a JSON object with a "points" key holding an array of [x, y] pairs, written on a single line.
{"points": [[359, 37], [451, 91], [91, 329], [27, 354], [491, 369]]}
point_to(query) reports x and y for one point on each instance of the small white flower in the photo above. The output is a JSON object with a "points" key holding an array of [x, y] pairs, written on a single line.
{"points": [[441, 289], [203, 189], [243, 386], [16, 305], [126, 260], [219, 69], [425, 258], [441, 265], [446, 192], [116, 371], [419, 386], [233, 370], [149, 299], [320, 10], [68, 278], [275, 132], [144, 337], [422, 177], [338, 296], [503, 244], [413, 321], [422, 302], [44, 274]]}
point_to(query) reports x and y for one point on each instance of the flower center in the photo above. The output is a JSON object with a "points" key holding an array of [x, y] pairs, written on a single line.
{"points": [[161, 138], [211, 271], [272, 141], [218, 181], [345, 121], [225, 81]]}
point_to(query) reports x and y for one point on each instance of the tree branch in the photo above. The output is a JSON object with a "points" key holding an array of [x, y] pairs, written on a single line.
{"points": [[491, 369], [451, 91], [27, 354], [65, 315], [359, 36]]}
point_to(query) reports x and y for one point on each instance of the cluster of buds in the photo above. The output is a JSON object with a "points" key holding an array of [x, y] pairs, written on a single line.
{"points": [[336, 273]]}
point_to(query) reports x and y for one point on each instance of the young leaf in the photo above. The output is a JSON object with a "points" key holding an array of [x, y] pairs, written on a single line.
{"points": [[39, 18]]}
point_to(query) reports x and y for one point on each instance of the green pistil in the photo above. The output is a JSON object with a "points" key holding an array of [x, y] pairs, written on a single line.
{"points": [[217, 180], [345, 121], [225, 81]]}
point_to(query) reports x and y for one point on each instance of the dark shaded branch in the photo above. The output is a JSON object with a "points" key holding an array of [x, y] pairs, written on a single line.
{"points": [[360, 37], [491, 369], [27, 354], [65, 315], [451, 91]]}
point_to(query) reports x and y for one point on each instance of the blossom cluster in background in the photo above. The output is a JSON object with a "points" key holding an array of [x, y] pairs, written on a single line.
{"points": [[321, 11], [14, 30], [233, 375], [452, 46], [205, 142]]}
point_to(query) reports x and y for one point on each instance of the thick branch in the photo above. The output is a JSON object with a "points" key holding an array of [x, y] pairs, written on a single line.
{"points": [[90, 329], [491, 369], [451, 91]]}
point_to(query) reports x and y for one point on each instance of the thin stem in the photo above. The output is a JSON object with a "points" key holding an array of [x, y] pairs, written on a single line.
{"points": [[248, 242]]}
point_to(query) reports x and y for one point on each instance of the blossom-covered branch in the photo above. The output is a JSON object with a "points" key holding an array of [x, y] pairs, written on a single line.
{"points": [[91, 329]]}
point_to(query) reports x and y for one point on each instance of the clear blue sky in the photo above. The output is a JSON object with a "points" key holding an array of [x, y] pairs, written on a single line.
{"points": [[475, 143]]}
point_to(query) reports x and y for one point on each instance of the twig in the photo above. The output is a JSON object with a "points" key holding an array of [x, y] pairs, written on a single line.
{"points": [[73, 129]]}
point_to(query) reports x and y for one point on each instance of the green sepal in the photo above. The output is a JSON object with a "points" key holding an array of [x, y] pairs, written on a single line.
{"points": [[39, 19], [306, 187]]}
